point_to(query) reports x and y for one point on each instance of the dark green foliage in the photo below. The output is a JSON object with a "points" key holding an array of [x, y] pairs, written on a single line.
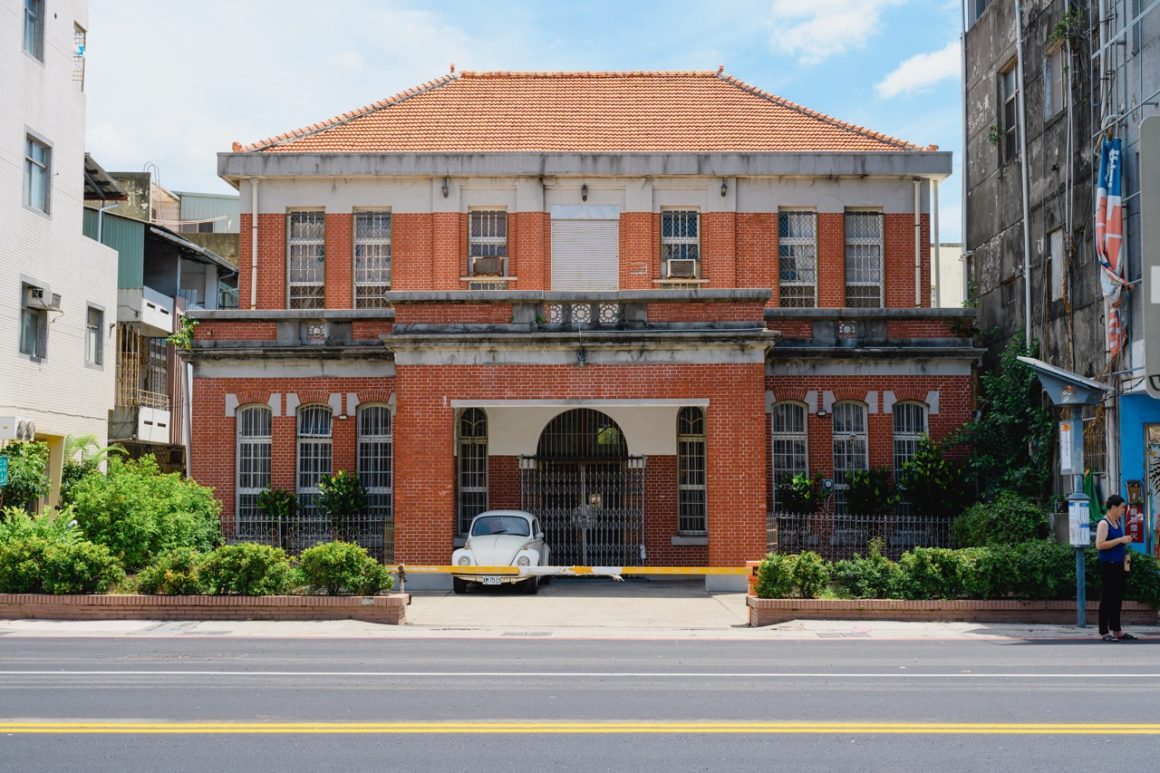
{"points": [[82, 457], [176, 572], [281, 508], [871, 492], [344, 501], [1013, 440], [341, 567], [36, 564], [1009, 519], [53, 525], [811, 574], [875, 577], [779, 575], [1143, 582], [931, 573], [247, 569], [802, 494], [933, 484], [139, 512], [27, 475]]}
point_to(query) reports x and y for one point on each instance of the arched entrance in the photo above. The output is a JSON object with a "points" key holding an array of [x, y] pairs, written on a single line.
{"points": [[587, 491]]}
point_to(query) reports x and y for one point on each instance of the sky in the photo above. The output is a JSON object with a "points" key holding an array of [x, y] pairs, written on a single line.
{"points": [[171, 83]]}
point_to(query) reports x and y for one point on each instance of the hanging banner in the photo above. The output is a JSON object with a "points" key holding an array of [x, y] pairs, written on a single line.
{"points": [[1109, 233]]}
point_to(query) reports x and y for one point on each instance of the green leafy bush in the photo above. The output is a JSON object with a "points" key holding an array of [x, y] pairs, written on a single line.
{"points": [[931, 483], [35, 564], [344, 500], [27, 475], [1143, 582], [337, 567], [140, 512], [873, 577], [53, 525], [1038, 569], [176, 572], [811, 574], [1011, 518], [247, 569], [870, 492], [780, 575], [802, 494], [932, 573]]}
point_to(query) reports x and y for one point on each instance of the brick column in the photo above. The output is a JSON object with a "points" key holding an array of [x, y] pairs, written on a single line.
{"points": [[411, 252], [719, 249], [339, 261], [831, 260]]}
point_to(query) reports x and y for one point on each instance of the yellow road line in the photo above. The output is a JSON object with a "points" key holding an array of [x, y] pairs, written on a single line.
{"points": [[565, 728]]}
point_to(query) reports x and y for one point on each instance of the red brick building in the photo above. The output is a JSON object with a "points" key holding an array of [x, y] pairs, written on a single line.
{"points": [[625, 301]]}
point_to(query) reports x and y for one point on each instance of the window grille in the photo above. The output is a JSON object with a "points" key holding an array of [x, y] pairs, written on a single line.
{"points": [[1054, 88], [33, 328], [79, 44], [94, 340], [372, 259], [314, 456], [691, 493], [34, 28], [255, 446], [487, 247], [1009, 124], [472, 466], [37, 169], [850, 448], [797, 259], [909, 428], [680, 235], [864, 260], [789, 443], [306, 256], [376, 469]]}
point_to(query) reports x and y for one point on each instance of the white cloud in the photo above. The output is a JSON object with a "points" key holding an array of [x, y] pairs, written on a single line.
{"points": [[815, 30], [921, 71]]}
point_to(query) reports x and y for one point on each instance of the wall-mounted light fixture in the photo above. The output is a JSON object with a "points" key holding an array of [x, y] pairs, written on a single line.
{"points": [[822, 413], [724, 189], [584, 192], [445, 189], [581, 356]]}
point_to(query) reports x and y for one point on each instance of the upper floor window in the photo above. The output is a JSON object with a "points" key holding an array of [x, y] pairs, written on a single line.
{"points": [[1054, 83], [864, 259], [797, 259], [1009, 122], [34, 28], [487, 243], [680, 244], [255, 446], [850, 448], [372, 259], [33, 324], [37, 173], [691, 494], [789, 443], [94, 338], [80, 38], [306, 260]]}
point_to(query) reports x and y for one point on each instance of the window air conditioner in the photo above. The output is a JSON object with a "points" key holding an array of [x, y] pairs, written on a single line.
{"points": [[491, 265], [16, 428], [39, 298], [681, 268]]}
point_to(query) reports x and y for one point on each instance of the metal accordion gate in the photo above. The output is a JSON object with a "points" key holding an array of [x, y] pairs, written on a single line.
{"points": [[592, 511]]}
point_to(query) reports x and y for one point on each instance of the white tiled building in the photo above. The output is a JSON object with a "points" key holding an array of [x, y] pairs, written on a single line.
{"points": [[58, 288]]}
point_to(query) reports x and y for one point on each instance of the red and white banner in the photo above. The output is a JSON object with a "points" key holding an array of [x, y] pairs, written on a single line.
{"points": [[1109, 234]]}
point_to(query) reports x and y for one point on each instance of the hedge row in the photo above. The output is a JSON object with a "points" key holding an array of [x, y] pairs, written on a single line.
{"points": [[1037, 569]]}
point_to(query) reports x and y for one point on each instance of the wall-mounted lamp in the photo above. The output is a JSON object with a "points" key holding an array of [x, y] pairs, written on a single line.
{"points": [[584, 192], [581, 356], [724, 189], [342, 417], [823, 413], [445, 189]]}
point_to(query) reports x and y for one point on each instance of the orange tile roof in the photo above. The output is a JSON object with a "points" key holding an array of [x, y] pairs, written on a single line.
{"points": [[631, 112]]}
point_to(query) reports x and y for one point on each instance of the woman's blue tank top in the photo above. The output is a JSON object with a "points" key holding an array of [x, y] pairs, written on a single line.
{"points": [[1116, 554]]}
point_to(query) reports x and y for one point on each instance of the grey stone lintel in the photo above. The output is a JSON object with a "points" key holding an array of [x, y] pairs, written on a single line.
{"points": [[744, 295], [915, 312]]}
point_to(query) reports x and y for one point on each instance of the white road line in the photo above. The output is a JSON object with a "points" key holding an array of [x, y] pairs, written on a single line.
{"points": [[605, 674]]}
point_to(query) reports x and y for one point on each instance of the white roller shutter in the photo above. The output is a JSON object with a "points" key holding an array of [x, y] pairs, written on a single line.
{"points": [[585, 248]]}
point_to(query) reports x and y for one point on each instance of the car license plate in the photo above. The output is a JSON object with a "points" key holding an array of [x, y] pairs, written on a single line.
{"points": [[491, 579]]}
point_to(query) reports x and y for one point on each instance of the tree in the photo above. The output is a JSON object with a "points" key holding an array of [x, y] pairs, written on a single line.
{"points": [[27, 475]]}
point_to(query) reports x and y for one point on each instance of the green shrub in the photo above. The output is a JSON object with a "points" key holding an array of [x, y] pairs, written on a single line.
{"points": [[931, 573], [176, 572], [344, 500], [870, 492], [775, 576], [247, 569], [1143, 582], [802, 494], [931, 483], [35, 564], [139, 512], [875, 577], [27, 475], [336, 567], [811, 574], [1008, 520], [53, 525]]}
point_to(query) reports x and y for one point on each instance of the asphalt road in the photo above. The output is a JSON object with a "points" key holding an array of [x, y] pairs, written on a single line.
{"points": [[534, 704]]}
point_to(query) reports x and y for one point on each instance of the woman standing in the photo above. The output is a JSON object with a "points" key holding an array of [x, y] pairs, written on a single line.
{"points": [[1111, 541]]}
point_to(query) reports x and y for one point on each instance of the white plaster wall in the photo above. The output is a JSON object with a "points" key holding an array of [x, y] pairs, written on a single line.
{"points": [[60, 393]]}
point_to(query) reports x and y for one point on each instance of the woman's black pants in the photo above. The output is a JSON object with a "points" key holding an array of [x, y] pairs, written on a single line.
{"points": [[1112, 596]]}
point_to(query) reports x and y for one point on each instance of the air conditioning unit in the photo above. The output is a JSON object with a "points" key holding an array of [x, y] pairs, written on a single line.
{"points": [[491, 265], [16, 428], [40, 298], [681, 268]]}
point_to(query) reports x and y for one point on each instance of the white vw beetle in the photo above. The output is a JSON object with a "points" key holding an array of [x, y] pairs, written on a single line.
{"points": [[502, 538]]}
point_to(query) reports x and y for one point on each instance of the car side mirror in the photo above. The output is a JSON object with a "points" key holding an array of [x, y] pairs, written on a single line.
{"points": [[539, 535]]}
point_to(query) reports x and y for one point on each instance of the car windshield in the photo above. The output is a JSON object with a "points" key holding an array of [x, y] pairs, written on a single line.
{"points": [[500, 524]]}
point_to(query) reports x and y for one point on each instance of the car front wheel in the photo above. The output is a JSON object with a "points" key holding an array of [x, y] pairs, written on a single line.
{"points": [[458, 585], [532, 586]]}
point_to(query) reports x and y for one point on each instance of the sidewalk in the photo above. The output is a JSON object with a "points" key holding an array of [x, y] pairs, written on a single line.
{"points": [[590, 608]]}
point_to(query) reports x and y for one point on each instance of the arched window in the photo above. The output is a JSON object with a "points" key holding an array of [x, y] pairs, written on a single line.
{"points": [[472, 466], [314, 455], [691, 495], [850, 447], [375, 470], [789, 443], [909, 429], [253, 425]]}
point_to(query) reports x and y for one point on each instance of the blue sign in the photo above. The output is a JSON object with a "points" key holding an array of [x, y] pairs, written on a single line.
{"points": [[3, 470]]}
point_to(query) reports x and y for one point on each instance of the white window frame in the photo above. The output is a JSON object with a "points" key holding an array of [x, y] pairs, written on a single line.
{"points": [[314, 432], [372, 258], [1054, 88], [80, 44], [471, 466], [487, 237], [789, 444], [34, 28], [37, 168], [94, 336], [33, 328], [1058, 263], [682, 246], [376, 467], [692, 472], [802, 250], [1008, 114], [909, 425], [254, 435], [865, 259], [851, 447], [305, 261]]}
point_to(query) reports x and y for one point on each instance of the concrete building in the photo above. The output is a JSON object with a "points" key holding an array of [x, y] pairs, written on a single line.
{"points": [[60, 287], [628, 302], [1035, 114]]}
